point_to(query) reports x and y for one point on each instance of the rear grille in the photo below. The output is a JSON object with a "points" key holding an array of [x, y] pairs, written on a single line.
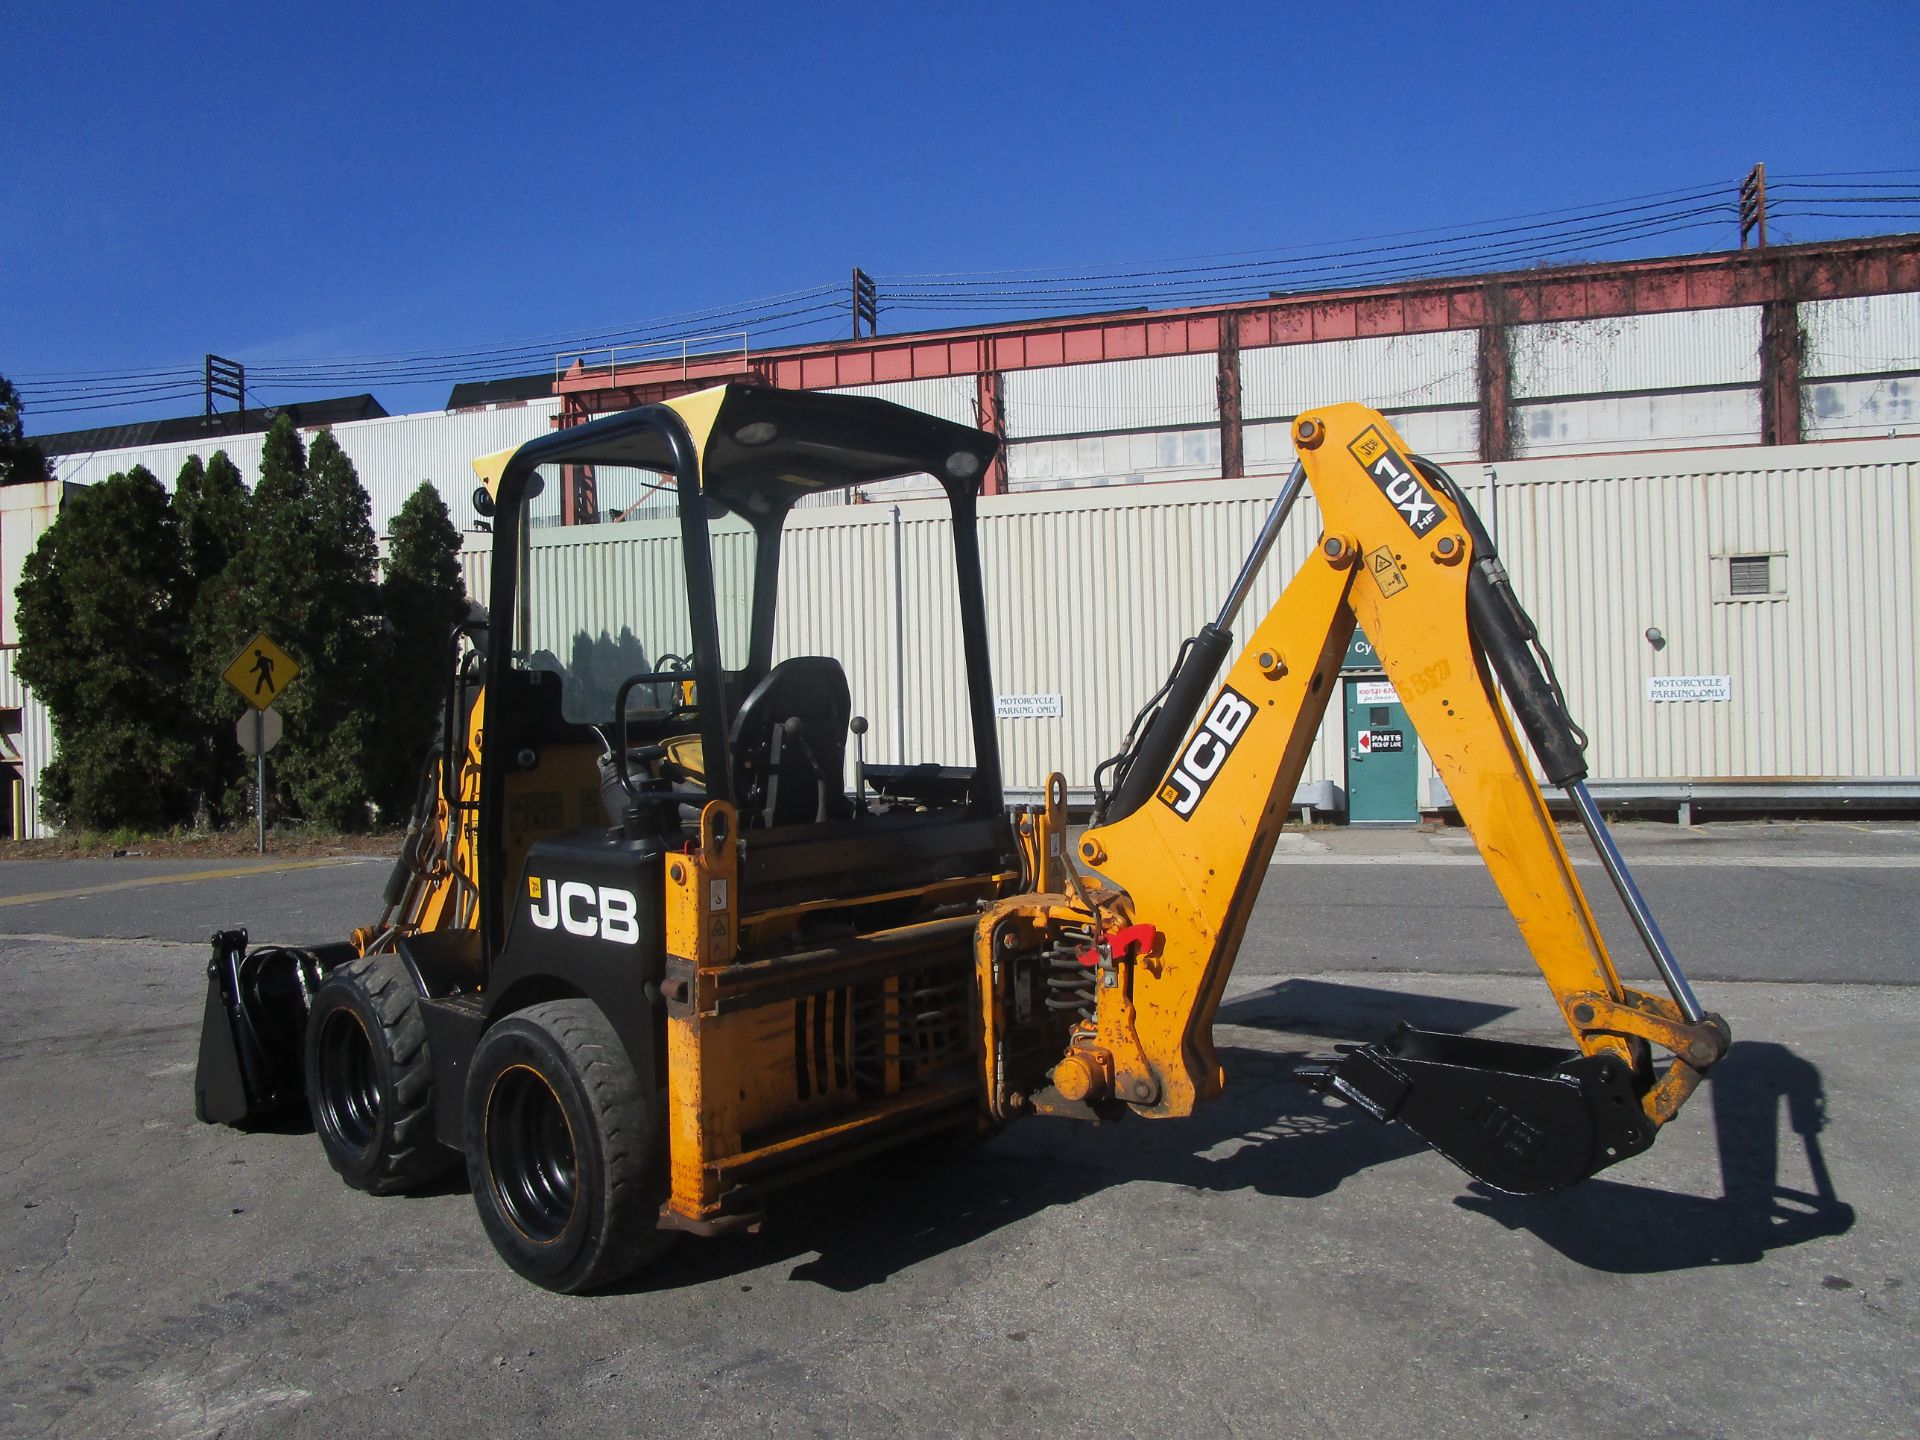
{"points": [[847, 1039]]}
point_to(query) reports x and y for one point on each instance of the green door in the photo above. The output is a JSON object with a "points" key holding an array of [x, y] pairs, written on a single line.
{"points": [[1383, 778]]}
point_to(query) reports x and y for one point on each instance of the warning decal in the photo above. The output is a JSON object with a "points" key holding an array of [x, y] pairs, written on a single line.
{"points": [[1386, 571]]}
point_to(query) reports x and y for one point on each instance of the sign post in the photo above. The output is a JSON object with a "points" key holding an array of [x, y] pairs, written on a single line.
{"points": [[260, 672]]}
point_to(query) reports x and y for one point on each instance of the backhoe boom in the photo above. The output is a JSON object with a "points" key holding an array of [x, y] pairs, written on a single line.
{"points": [[1186, 840]]}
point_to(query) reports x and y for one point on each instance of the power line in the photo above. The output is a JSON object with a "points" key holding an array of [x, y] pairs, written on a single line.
{"points": [[1511, 241]]}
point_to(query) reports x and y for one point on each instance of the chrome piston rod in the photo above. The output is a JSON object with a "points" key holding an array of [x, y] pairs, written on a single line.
{"points": [[1269, 532], [1636, 903]]}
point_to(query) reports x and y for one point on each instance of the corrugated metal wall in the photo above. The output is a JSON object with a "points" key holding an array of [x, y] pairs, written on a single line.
{"points": [[1112, 395], [1090, 594], [1862, 367], [1672, 351], [1822, 672], [950, 397], [33, 744], [1393, 372], [392, 455], [1587, 386], [25, 513], [1090, 597], [1123, 459], [1582, 387]]}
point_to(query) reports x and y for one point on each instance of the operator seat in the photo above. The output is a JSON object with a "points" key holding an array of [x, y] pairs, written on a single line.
{"points": [[789, 744]]}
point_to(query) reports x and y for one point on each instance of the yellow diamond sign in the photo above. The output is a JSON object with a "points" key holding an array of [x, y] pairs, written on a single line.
{"points": [[261, 671]]}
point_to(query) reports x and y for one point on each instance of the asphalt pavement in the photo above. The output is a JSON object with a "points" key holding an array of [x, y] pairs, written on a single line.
{"points": [[1276, 1265]]}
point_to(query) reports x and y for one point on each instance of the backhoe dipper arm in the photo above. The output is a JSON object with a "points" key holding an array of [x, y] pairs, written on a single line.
{"points": [[1402, 554]]}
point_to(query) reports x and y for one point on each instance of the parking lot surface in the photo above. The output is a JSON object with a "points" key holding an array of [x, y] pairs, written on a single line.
{"points": [[1276, 1265]]}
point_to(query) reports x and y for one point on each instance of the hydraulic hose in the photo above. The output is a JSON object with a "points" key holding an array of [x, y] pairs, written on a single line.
{"points": [[1512, 645]]}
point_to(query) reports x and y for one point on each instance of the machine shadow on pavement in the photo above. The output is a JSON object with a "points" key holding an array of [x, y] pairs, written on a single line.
{"points": [[865, 1225], [1267, 1134], [1634, 1230], [1270, 1135]]}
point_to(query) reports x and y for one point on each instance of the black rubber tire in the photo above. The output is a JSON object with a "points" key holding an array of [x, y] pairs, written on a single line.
{"points": [[565, 1151], [370, 1078]]}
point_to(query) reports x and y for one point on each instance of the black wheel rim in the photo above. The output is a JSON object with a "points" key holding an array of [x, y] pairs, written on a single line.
{"points": [[530, 1154], [349, 1082]]}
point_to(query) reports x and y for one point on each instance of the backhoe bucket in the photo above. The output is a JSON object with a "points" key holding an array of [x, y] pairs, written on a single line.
{"points": [[253, 1030], [1526, 1119]]}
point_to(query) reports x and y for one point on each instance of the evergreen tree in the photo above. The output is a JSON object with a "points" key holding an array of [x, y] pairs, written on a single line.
{"points": [[210, 503], [259, 589], [21, 462], [337, 608], [422, 597], [305, 575], [211, 507], [102, 636]]}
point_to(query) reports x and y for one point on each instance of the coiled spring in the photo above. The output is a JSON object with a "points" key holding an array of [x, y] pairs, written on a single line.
{"points": [[1070, 985]]}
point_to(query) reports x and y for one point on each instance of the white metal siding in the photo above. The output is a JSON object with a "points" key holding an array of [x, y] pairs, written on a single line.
{"points": [[1113, 459], [35, 742], [1823, 678], [1862, 336], [1855, 409], [392, 455], [951, 397], [1637, 352], [1112, 395], [836, 598], [1090, 593], [164, 461], [1090, 597], [1638, 422], [1388, 372], [25, 513]]}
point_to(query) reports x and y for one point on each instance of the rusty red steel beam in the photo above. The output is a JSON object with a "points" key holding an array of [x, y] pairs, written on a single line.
{"points": [[1818, 271]]}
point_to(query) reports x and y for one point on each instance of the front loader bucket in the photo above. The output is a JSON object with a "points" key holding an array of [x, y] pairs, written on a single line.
{"points": [[252, 1032], [1526, 1119]]}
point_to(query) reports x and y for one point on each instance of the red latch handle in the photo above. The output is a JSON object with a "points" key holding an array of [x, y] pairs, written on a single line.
{"points": [[1121, 941]]}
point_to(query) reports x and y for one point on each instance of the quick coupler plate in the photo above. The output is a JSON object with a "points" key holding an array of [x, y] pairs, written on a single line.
{"points": [[1526, 1119]]}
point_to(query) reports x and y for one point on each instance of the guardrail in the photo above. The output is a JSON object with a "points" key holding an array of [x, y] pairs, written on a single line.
{"points": [[687, 348]]}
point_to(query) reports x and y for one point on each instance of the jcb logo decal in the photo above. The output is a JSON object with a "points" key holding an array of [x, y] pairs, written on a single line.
{"points": [[1226, 722], [1394, 475], [584, 910]]}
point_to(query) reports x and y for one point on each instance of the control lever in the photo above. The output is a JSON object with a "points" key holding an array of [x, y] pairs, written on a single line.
{"points": [[858, 725]]}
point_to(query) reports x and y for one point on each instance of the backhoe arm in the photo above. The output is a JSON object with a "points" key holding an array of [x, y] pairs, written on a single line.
{"points": [[1402, 554]]}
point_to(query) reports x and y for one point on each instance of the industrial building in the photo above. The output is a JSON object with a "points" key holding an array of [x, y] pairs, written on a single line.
{"points": [[1703, 471]]}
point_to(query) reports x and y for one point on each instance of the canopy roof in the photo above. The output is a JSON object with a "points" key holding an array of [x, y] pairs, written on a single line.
{"points": [[760, 448]]}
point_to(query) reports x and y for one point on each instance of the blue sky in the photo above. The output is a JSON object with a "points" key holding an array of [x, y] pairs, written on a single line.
{"points": [[296, 182]]}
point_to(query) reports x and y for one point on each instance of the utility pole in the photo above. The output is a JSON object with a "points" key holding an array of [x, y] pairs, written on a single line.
{"points": [[866, 303], [1753, 206], [226, 380]]}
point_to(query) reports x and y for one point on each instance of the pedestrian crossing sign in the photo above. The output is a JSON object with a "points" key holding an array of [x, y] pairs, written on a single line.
{"points": [[261, 671]]}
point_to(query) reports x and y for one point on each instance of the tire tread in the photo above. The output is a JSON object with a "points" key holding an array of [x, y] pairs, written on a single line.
{"points": [[412, 1155]]}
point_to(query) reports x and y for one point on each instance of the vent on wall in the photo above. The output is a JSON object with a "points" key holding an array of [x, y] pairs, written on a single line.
{"points": [[1750, 577]]}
